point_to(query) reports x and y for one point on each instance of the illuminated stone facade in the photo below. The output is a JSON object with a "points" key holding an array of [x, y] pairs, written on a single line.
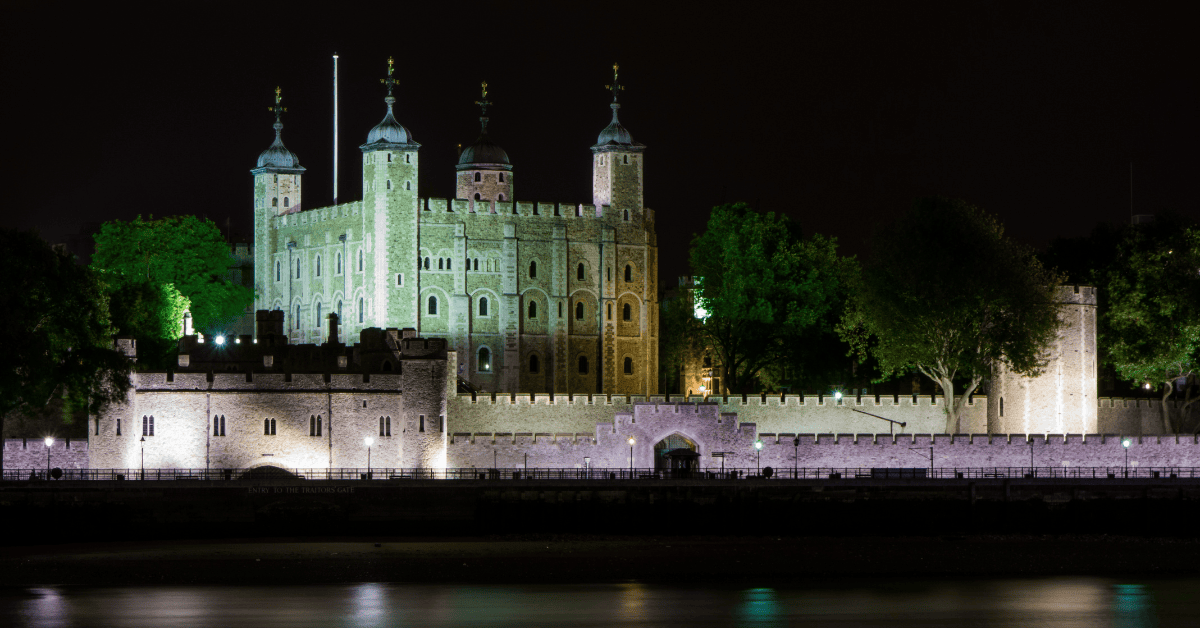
{"points": [[537, 297]]}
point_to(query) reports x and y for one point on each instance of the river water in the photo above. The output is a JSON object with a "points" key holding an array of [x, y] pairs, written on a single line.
{"points": [[1050, 602]]}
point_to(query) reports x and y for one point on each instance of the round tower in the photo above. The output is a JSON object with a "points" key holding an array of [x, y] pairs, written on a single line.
{"points": [[617, 165], [484, 172], [277, 179], [390, 207], [1062, 400]]}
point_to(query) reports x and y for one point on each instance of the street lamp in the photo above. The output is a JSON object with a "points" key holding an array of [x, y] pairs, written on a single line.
{"points": [[632, 440], [49, 443], [1126, 443], [143, 441], [369, 441], [758, 450]]}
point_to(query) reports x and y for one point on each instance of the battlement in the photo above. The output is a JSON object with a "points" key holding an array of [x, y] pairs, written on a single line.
{"points": [[1077, 294], [604, 213], [30, 453], [316, 214], [266, 382]]}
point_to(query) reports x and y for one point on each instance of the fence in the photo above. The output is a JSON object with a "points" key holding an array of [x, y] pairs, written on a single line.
{"points": [[625, 473]]}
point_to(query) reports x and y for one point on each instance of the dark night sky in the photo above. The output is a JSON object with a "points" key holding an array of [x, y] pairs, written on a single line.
{"points": [[837, 114]]}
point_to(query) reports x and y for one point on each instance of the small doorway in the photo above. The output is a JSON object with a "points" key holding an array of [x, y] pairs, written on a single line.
{"points": [[676, 455]]}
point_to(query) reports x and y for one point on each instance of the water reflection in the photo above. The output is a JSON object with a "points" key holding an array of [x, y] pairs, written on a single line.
{"points": [[1055, 602]]}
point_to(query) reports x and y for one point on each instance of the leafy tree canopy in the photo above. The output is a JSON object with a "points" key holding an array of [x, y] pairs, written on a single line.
{"points": [[761, 285], [154, 269], [1149, 326], [55, 330], [946, 293]]}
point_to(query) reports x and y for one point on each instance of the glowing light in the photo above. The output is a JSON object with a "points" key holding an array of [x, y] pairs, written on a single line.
{"points": [[758, 444], [220, 340], [632, 440], [837, 394], [1126, 443], [369, 441], [702, 388], [1146, 385], [49, 441]]}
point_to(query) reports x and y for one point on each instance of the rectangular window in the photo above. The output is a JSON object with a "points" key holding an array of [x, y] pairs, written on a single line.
{"points": [[118, 427], [422, 424]]}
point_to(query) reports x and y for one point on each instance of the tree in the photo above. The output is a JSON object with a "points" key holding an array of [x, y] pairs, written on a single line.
{"points": [[147, 265], [760, 285], [55, 330], [1150, 316], [947, 294]]}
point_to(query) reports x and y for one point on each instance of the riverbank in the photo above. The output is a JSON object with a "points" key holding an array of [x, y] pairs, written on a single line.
{"points": [[562, 559]]}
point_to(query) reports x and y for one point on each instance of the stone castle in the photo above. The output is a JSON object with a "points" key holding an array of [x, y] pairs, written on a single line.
{"points": [[494, 333], [535, 297]]}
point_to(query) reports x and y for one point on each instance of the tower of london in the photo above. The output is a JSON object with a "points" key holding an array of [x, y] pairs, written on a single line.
{"points": [[536, 297]]}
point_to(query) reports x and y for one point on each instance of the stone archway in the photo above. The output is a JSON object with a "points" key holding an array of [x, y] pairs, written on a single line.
{"points": [[676, 452], [268, 472]]}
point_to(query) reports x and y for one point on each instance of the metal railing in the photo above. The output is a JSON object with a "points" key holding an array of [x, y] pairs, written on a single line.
{"points": [[625, 473]]}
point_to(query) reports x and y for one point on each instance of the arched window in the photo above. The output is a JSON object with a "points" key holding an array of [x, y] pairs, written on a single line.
{"points": [[216, 425], [285, 202], [476, 263], [318, 265], [533, 270], [433, 306], [583, 364], [387, 365], [627, 312], [483, 304], [389, 184], [628, 272], [441, 263], [408, 159], [318, 425], [360, 260], [477, 196], [579, 272], [389, 158], [560, 309], [318, 323], [147, 425], [533, 364], [533, 309], [360, 309], [501, 197], [449, 264], [297, 316], [502, 179], [579, 310], [275, 202], [478, 177], [627, 215], [297, 269], [312, 425], [484, 363], [339, 263], [408, 185], [626, 159], [278, 267], [339, 311], [426, 263], [610, 311], [629, 366]]}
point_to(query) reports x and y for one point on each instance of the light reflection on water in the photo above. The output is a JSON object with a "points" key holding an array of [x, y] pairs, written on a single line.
{"points": [[1057, 603]]}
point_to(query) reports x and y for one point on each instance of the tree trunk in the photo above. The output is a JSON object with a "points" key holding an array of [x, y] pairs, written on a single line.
{"points": [[1168, 427]]}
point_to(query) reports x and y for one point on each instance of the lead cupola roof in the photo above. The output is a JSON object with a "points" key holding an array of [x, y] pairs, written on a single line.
{"points": [[389, 131], [277, 155], [615, 135], [484, 153]]}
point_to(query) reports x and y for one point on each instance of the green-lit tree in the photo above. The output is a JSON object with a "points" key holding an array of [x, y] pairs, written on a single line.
{"points": [[55, 330], [154, 270], [947, 294], [1150, 311], [761, 286]]}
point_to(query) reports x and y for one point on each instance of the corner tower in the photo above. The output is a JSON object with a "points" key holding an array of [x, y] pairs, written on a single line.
{"points": [[391, 212], [617, 165], [484, 172], [276, 192]]}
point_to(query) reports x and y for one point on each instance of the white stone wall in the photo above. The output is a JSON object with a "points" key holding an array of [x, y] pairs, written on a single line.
{"points": [[30, 453]]}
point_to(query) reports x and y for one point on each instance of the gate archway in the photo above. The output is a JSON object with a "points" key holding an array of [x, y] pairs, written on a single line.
{"points": [[676, 452]]}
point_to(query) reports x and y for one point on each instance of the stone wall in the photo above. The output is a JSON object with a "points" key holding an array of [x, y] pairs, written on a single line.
{"points": [[30, 453]]}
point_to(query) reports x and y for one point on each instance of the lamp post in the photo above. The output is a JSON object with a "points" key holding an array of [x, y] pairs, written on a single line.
{"points": [[369, 441], [143, 441], [758, 450], [49, 443], [1126, 443], [796, 458], [632, 440]]}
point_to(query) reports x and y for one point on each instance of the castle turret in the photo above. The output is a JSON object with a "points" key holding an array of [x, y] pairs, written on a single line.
{"points": [[390, 169], [484, 172], [276, 191], [1062, 399], [617, 165]]}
